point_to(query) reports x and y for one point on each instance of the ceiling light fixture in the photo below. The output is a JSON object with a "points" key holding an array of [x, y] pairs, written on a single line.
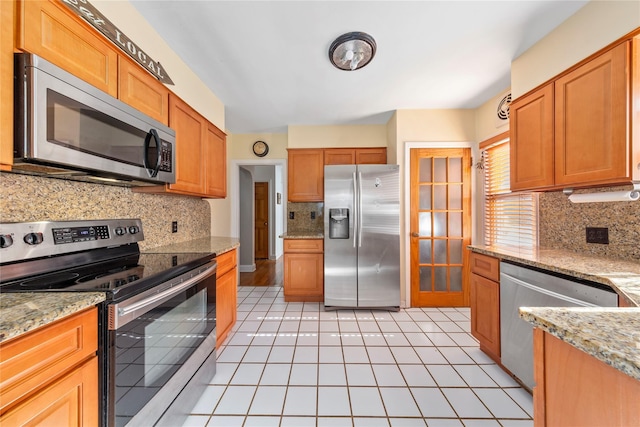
{"points": [[352, 51]]}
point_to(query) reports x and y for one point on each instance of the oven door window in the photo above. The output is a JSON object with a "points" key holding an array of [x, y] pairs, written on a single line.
{"points": [[151, 348]]}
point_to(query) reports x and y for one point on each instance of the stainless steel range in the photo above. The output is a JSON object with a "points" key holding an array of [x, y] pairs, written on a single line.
{"points": [[157, 326]]}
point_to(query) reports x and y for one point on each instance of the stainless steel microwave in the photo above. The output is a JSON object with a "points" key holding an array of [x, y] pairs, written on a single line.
{"points": [[66, 128]]}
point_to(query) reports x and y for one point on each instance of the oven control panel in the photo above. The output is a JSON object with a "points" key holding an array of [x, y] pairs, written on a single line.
{"points": [[27, 240], [79, 234]]}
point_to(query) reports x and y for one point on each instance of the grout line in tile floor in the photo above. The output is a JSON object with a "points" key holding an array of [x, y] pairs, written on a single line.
{"points": [[296, 365]]}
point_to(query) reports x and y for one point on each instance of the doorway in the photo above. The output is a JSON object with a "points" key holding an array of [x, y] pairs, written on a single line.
{"points": [[261, 220], [440, 226], [243, 174]]}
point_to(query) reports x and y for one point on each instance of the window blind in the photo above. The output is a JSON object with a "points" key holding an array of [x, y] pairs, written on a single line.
{"points": [[511, 219]]}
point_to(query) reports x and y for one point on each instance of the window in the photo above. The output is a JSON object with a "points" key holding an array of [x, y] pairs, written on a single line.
{"points": [[510, 219]]}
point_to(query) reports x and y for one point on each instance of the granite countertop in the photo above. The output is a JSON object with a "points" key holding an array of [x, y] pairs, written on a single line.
{"points": [[611, 335], [303, 235], [25, 311], [622, 276], [206, 245]]}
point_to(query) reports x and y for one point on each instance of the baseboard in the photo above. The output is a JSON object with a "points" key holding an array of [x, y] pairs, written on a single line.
{"points": [[247, 268]]}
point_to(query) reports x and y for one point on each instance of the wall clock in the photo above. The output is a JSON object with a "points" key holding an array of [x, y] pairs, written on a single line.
{"points": [[260, 148]]}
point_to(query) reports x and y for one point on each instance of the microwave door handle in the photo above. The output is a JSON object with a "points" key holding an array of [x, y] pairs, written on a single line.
{"points": [[147, 140]]}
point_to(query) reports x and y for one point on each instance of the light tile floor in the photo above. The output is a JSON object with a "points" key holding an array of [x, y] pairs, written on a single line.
{"points": [[296, 365]]}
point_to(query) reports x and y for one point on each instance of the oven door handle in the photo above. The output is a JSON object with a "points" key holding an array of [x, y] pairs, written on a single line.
{"points": [[122, 313]]}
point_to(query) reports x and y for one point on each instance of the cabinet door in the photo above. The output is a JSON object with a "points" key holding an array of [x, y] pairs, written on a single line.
{"points": [[591, 121], [142, 91], [6, 83], [339, 156], [50, 31], [215, 162], [306, 175], [574, 388], [303, 277], [226, 302], [190, 133], [371, 156], [70, 401], [531, 140], [485, 314]]}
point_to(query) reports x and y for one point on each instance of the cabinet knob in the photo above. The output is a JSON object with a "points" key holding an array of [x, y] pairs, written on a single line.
{"points": [[414, 234]]}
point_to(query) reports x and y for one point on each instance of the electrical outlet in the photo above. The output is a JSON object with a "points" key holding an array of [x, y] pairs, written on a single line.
{"points": [[313, 215], [291, 215], [174, 227], [598, 235]]}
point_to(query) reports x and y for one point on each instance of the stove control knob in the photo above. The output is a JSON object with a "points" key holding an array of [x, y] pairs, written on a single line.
{"points": [[120, 231], [6, 240], [134, 229], [33, 238]]}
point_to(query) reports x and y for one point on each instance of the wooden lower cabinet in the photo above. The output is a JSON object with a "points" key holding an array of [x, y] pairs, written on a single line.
{"points": [[70, 401], [303, 270], [576, 389], [226, 294], [485, 303], [50, 376], [485, 314]]}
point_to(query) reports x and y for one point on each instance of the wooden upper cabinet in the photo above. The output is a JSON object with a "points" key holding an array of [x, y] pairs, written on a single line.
{"points": [[48, 30], [577, 130], [306, 175], [371, 156], [6, 82], [215, 162], [339, 156], [592, 121], [531, 140], [190, 130], [201, 155], [355, 156], [142, 91]]}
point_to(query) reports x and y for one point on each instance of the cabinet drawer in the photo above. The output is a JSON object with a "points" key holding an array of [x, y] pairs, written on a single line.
{"points": [[29, 361], [226, 262], [485, 266], [304, 245]]}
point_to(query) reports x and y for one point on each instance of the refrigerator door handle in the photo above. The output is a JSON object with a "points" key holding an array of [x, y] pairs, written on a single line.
{"points": [[360, 209], [355, 208]]}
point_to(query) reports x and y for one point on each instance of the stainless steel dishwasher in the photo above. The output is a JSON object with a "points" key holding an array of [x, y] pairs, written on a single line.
{"points": [[525, 287]]}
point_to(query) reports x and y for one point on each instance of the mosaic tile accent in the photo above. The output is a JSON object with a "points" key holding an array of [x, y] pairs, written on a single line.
{"points": [[32, 198]]}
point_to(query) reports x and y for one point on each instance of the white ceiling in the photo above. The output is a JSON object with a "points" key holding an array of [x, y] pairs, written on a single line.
{"points": [[268, 63]]}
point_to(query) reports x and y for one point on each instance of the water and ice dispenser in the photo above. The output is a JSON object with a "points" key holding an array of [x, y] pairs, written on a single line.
{"points": [[339, 223]]}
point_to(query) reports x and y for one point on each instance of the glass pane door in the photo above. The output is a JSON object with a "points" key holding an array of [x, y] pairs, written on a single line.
{"points": [[440, 225]]}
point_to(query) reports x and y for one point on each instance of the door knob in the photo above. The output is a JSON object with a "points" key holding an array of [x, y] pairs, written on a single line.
{"points": [[414, 234], [265, 223]]}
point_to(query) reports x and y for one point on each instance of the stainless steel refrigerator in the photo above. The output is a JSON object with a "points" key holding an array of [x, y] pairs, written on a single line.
{"points": [[362, 236]]}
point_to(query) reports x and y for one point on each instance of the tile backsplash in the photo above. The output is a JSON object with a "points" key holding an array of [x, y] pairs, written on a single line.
{"points": [[302, 221], [30, 198], [563, 224]]}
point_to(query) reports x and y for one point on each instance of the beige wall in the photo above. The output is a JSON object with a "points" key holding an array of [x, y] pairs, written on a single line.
{"points": [[392, 139], [591, 28], [188, 86], [239, 146], [487, 125], [337, 136]]}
